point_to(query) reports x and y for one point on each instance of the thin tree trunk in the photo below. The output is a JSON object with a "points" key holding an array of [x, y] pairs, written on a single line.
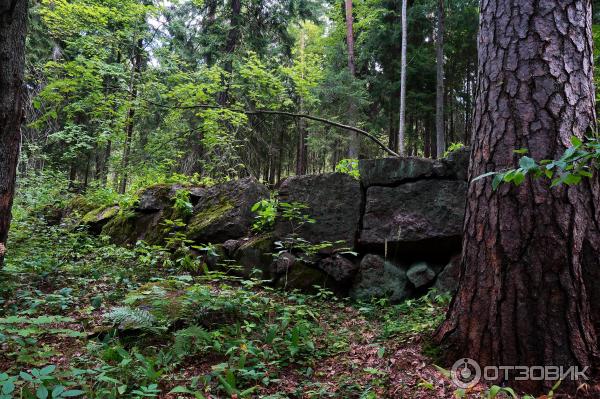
{"points": [[302, 154], [13, 27], [523, 297], [353, 148], [439, 108], [402, 81], [129, 123], [233, 38]]}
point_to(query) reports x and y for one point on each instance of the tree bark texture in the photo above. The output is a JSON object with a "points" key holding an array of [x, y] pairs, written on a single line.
{"points": [[530, 253], [13, 26]]}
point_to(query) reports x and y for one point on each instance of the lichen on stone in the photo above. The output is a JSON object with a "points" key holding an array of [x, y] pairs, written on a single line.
{"points": [[202, 219]]}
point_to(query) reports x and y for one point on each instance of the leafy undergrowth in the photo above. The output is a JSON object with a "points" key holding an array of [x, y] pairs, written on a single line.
{"points": [[83, 318]]}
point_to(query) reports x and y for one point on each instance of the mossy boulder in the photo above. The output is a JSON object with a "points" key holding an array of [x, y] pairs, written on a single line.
{"points": [[52, 213], [79, 205], [222, 212], [420, 274], [379, 278], [129, 227], [99, 217], [303, 276], [256, 253], [157, 197]]}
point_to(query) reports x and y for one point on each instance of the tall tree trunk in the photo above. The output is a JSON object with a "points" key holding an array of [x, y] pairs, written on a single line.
{"points": [[523, 297], [129, 123], [233, 38], [402, 81], [13, 26], [439, 106], [302, 154], [353, 148]]}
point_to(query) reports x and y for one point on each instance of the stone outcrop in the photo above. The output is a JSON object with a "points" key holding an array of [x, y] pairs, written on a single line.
{"points": [[395, 171], [402, 220], [415, 211], [223, 212], [333, 200]]}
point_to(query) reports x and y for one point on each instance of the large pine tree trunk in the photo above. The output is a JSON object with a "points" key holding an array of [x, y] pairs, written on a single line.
{"points": [[523, 297], [13, 21]]}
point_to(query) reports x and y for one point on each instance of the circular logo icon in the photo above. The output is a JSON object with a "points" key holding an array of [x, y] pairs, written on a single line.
{"points": [[466, 373]]}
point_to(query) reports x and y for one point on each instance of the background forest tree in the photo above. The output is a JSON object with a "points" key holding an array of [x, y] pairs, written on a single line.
{"points": [[113, 85]]}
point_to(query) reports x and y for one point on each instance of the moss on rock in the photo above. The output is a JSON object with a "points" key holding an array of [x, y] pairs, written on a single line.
{"points": [[205, 218]]}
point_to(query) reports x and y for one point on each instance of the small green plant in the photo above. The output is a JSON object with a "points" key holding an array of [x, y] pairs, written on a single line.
{"points": [[266, 213], [453, 147], [183, 204], [577, 162], [349, 167]]}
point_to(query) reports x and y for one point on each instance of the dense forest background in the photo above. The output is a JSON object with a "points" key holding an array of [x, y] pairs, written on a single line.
{"points": [[114, 86]]}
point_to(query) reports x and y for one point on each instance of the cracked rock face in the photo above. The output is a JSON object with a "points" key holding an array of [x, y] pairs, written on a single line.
{"points": [[422, 210], [333, 200]]}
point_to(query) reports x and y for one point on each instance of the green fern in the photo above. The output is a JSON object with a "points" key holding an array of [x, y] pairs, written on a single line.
{"points": [[190, 339], [131, 318]]}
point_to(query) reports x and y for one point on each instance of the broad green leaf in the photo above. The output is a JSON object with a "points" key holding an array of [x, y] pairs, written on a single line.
{"points": [[41, 392], [527, 163], [72, 393]]}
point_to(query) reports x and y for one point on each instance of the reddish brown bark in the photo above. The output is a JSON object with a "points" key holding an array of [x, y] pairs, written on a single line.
{"points": [[530, 253], [13, 21]]}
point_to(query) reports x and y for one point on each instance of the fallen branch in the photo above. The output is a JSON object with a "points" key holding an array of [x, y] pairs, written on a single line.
{"points": [[293, 115]]}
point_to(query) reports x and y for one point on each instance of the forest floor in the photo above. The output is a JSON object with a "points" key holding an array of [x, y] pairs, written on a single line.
{"points": [[80, 317]]}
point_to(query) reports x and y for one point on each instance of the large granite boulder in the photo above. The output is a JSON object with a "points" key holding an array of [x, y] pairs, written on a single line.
{"points": [[421, 210], [379, 278], [223, 212], [333, 200], [395, 171]]}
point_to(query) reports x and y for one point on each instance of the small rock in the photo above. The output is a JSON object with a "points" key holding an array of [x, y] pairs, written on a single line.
{"points": [[339, 268], [230, 246], [302, 276], [379, 278], [98, 218], [420, 274], [255, 253], [447, 280], [283, 263], [223, 212]]}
